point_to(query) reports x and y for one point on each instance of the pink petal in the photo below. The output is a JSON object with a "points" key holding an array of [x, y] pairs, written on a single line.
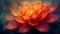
{"points": [[12, 25], [42, 27], [24, 28], [52, 8], [51, 18]]}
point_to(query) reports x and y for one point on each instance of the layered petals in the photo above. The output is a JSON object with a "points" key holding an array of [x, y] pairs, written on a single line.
{"points": [[42, 27], [24, 28], [51, 18], [35, 15], [12, 25], [20, 20], [33, 22], [52, 8], [43, 15], [14, 12]]}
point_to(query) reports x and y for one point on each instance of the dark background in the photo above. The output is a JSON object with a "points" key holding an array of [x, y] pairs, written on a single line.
{"points": [[54, 28]]}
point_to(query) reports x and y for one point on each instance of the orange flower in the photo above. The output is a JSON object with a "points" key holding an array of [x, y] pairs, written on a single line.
{"points": [[32, 15]]}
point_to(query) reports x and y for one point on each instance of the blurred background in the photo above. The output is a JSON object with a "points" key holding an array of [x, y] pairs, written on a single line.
{"points": [[54, 28]]}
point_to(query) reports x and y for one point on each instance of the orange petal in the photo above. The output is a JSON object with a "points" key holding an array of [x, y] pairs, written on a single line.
{"points": [[51, 18], [43, 15], [14, 12], [34, 16], [12, 25], [20, 20], [26, 17], [43, 7], [34, 6], [42, 28], [25, 4], [24, 28], [39, 5]]}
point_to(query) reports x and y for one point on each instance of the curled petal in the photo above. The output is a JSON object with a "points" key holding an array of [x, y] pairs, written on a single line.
{"points": [[39, 5], [35, 16], [43, 7], [20, 20], [51, 18], [43, 15], [42, 27], [12, 25], [34, 6], [52, 8], [33, 23], [26, 4], [24, 28], [14, 12], [26, 17]]}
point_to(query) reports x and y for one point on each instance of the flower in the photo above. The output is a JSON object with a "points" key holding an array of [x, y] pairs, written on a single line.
{"points": [[35, 15]]}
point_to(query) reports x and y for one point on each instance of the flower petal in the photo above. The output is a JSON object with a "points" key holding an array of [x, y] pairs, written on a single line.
{"points": [[51, 18], [24, 28], [33, 22], [43, 15], [20, 20], [52, 8], [43, 6], [12, 25], [42, 27], [14, 12]]}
